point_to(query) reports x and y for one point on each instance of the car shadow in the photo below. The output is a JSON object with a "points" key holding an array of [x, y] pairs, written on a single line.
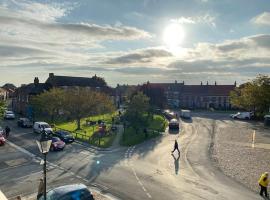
{"points": [[187, 120], [174, 131]]}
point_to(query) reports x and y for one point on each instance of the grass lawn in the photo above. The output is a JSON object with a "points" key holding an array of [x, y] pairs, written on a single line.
{"points": [[87, 132], [157, 125]]}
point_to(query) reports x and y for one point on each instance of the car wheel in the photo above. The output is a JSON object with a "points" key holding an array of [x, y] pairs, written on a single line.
{"points": [[246, 118]]}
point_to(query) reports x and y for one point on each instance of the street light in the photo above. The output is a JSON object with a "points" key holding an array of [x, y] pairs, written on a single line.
{"points": [[44, 147]]}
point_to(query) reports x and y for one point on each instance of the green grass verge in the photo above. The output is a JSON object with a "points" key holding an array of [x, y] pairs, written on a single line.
{"points": [[130, 137], [156, 125], [86, 132]]}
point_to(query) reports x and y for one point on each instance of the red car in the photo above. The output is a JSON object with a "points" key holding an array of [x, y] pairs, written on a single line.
{"points": [[57, 144], [2, 139]]}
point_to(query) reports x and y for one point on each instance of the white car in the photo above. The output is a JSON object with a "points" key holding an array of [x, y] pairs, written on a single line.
{"points": [[40, 126], [242, 115], [9, 115], [185, 114]]}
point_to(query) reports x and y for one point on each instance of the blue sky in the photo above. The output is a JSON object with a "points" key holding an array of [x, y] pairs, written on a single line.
{"points": [[133, 41]]}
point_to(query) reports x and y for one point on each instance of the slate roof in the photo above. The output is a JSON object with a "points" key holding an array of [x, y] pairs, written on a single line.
{"points": [[59, 81], [33, 89], [208, 90], [201, 90]]}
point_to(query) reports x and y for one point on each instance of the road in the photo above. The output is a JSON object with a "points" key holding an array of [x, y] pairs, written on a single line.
{"points": [[145, 171]]}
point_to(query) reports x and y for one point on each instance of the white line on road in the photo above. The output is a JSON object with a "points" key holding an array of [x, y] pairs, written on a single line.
{"points": [[129, 163]]}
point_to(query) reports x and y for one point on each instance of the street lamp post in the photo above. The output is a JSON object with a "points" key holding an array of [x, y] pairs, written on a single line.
{"points": [[44, 146]]}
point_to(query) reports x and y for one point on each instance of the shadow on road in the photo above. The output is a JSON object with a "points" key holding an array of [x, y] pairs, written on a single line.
{"points": [[175, 131], [187, 120], [176, 163]]}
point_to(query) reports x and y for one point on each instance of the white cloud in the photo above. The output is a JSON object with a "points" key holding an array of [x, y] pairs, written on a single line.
{"points": [[262, 19], [203, 19], [140, 56], [36, 11]]}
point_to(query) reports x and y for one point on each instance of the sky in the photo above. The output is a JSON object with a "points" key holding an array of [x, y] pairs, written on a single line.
{"points": [[135, 41]]}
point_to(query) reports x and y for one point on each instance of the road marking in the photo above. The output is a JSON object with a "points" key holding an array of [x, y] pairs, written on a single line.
{"points": [[253, 139], [186, 151], [128, 162], [21, 149]]}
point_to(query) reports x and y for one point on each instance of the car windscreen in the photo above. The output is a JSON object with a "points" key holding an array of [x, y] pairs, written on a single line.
{"points": [[45, 126], [55, 139]]}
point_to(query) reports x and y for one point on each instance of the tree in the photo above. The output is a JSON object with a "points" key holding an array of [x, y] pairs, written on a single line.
{"points": [[253, 95], [2, 107], [156, 95], [83, 102], [50, 102], [137, 108]]}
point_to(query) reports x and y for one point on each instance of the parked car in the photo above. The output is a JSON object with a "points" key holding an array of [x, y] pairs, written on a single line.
{"points": [[174, 124], [242, 115], [2, 139], [70, 192], [267, 120], [57, 144], [40, 126], [169, 115], [24, 123], [65, 136], [186, 114], [9, 114]]}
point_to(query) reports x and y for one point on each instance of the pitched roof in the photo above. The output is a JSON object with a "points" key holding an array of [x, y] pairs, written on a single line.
{"points": [[202, 90], [208, 90], [58, 81], [33, 89]]}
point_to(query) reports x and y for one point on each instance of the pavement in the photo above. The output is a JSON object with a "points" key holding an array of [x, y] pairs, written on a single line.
{"points": [[242, 150], [145, 171]]}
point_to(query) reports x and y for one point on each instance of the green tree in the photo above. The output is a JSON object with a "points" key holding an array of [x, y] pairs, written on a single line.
{"points": [[83, 102], [2, 108], [137, 110], [50, 102], [253, 95]]}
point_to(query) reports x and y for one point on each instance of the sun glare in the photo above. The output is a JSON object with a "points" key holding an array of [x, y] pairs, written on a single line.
{"points": [[173, 35]]}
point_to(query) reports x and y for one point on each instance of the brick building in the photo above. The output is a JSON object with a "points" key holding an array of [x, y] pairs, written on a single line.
{"points": [[192, 96]]}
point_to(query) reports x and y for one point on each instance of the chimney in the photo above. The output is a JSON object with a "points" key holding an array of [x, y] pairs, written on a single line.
{"points": [[36, 81], [51, 75], [215, 83], [207, 83], [183, 82], [201, 82], [175, 81], [235, 83]]}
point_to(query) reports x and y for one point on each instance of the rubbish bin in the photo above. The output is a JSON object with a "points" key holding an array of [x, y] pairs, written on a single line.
{"points": [[267, 120]]}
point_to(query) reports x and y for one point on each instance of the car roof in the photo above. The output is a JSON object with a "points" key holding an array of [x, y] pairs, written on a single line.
{"points": [[68, 188], [174, 120], [23, 118], [41, 123]]}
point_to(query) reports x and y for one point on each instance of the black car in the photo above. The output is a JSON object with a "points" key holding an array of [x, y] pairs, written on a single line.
{"points": [[65, 136], [25, 123]]}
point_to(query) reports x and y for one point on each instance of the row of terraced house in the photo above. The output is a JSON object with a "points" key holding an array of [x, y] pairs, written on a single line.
{"points": [[176, 94]]}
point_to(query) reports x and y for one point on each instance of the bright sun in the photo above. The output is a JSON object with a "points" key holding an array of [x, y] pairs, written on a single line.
{"points": [[173, 35]]}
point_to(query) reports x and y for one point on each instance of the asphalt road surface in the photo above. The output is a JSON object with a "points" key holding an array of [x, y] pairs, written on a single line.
{"points": [[145, 171]]}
